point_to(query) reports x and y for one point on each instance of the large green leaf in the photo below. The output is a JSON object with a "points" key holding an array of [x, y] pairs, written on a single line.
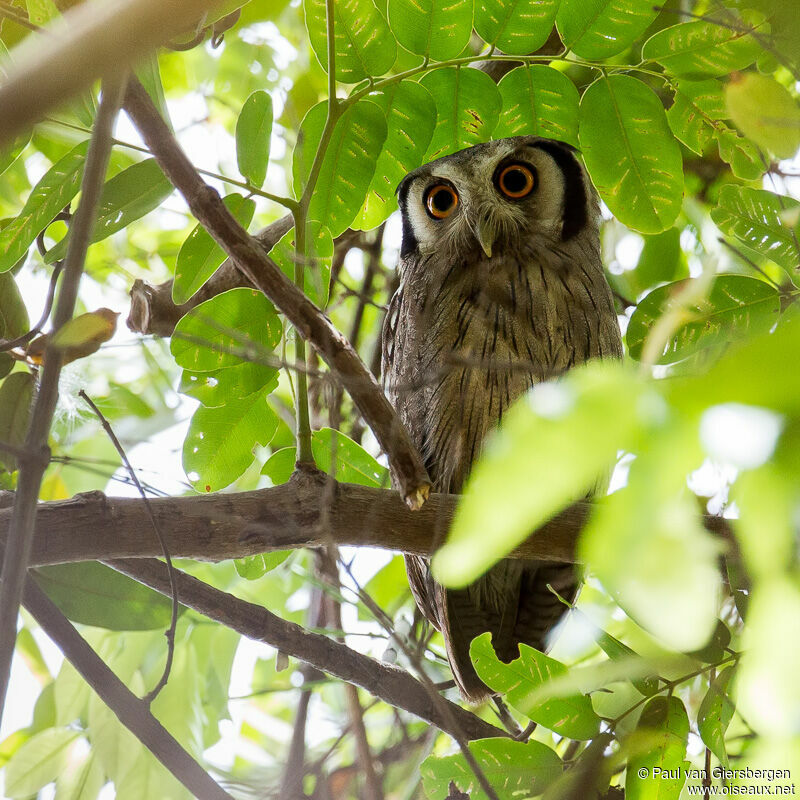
{"points": [[218, 332], [736, 307], [253, 132], [437, 29], [601, 28], [220, 441], [94, 594], [715, 714], [632, 156], [757, 218], [16, 398], [518, 27], [128, 196], [216, 387], [13, 317], [411, 118], [347, 166], [540, 101], [346, 460], [705, 48], [554, 446], [319, 255], [662, 732], [468, 108], [696, 118], [38, 762], [364, 45], [514, 769], [567, 715], [200, 255], [53, 192]]}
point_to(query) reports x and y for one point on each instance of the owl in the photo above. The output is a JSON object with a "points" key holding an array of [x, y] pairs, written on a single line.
{"points": [[501, 287]]}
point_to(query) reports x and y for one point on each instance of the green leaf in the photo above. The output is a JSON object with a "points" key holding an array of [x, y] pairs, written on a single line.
{"points": [[347, 460], [632, 156], [54, 191], [13, 317], [9, 153], [348, 164], [94, 594], [436, 29], [81, 780], [319, 256], [696, 118], [253, 132], [715, 714], [388, 587], [539, 101], [16, 399], [200, 255], [128, 196], [222, 331], [736, 307], [600, 28], [38, 761], [756, 218], [411, 118], [217, 387], [219, 444], [467, 105], [364, 45], [280, 465], [706, 48], [660, 261], [553, 447], [765, 111], [251, 568], [619, 651], [514, 770], [571, 716], [664, 730], [517, 27]]}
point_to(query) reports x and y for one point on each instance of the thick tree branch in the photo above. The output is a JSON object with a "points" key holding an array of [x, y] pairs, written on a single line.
{"points": [[391, 684], [310, 322], [132, 712]]}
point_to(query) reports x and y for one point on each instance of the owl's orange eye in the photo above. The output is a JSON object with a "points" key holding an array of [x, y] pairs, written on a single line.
{"points": [[516, 181], [441, 200]]}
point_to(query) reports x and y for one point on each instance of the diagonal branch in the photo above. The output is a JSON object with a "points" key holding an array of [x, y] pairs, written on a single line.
{"points": [[389, 683], [248, 255]]}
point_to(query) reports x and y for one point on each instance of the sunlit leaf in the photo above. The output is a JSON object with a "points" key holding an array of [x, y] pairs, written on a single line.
{"points": [[619, 651], [756, 218], [715, 714], [364, 45], [221, 332], [538, 100], [78, 338], [518, 27], [347, 460], [318, 258], [16, 398], [38, 762], [13, 317], [437, 29], [467, 105], [347, 166], [663, 730], [54, 191], [632, 156], [220, 441], [706, 48], [601, 28], [200, 255], [737, 306], [514, 770], [571, 715], [94, 594], [554, 446], [216, 387], [253, 132], [411, 118], [251, 568]]}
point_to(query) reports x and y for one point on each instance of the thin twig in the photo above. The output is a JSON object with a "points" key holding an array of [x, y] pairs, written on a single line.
{"points": [[131, 712], [170, 632], [34, 462]]}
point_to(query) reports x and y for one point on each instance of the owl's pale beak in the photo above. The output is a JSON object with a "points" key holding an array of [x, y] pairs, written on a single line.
{"points": [[485, 236]]}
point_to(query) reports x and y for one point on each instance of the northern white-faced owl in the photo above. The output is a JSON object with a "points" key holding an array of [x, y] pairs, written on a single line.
{"points": [[501, 287]]}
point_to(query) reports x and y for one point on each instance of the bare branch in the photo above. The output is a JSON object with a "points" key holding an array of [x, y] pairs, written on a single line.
{"points": [[390, 684]]}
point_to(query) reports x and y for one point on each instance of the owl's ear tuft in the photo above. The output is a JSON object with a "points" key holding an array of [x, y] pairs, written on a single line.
{"points": [[410, 242], [576, 200]]}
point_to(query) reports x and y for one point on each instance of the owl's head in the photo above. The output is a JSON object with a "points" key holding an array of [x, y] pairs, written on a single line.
{"points": [[495, 195]]}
